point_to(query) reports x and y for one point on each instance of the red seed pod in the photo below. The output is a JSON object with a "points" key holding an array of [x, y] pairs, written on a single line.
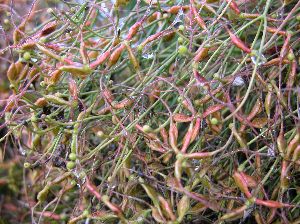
{"points": [[41, 102], [114, 57], [164, 134], [196, 129], [107, 94], [238, 42], [55, 76], [122, 104], [241, 183], [102, 58], [187, 139], [212, 109], [188, 105], [93, 189], [274, 30], [73, 89], [201, 54], [154, 16], [285, 46], [198, 18], [133, 30], [156, 36], [49, 28], [173, 135], [271, 204], [83, 52], [233, 5], [182, 118], [175, 9], [250, 181], [292, 76]]}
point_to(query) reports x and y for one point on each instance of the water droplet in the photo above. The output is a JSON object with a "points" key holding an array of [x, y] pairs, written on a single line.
{"points": [[238, 81], [148, 56]]}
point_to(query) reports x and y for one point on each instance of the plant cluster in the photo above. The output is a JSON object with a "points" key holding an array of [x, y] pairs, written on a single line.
{"points": [[151, 112]]}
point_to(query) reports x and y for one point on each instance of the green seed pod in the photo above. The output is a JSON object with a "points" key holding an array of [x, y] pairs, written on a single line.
{"points": [[42, 195]]}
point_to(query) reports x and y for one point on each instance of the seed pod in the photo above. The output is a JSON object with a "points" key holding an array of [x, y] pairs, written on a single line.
{"points": [[238, 137], [49, 28], [268, 101], [83, 52], [56, 100], [77, 70], [199, 155], [102, 58], [235, 214], [173, 135], [157, 216], [258, 218], [271, 204], [241, 183], [276, 61], [41, 102], [285, 46], [196, 129], [164, 134], [183, 207], [275, 30], [19, 31], [153, 195], [55, 76], [250, 181], [155, 37], [12, 74], [212, 109], [284, 180], [178, 167], [93, 190], [42, 195], [122, 104], [175, 9], [233, 5], [114, 57], [292, 76], [201, 54], [281, 143], [238, 42], [167, 208], [116, 209], [132, 58], [73, 89], [296, 154], [133, 30], [292, 145], [23, 73], [187, 138], [182, 118], [198, 18]]}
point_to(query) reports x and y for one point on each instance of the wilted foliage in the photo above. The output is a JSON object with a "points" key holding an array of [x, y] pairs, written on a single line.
{"points": [[150, 111]]}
